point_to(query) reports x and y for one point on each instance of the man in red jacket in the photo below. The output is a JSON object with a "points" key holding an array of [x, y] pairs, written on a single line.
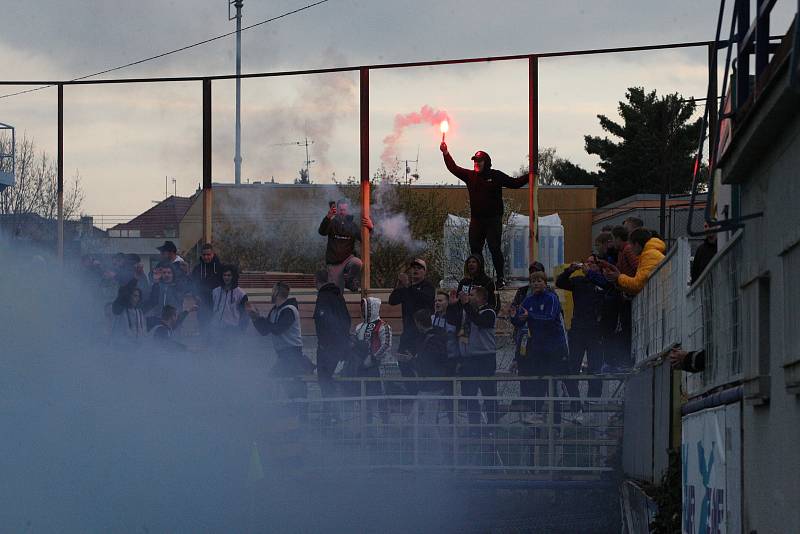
{"points": [[485, 186]]}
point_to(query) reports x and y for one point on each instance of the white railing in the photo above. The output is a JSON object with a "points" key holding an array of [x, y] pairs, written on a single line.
{"points": [[714, 321], [659, 310], [378, 426], [706, 315]]}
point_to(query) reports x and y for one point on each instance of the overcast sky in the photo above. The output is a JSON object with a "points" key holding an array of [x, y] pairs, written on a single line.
{"points": [[125, 139]]}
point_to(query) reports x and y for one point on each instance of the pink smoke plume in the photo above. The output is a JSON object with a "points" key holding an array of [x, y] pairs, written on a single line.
{"points": [[426, 115]]}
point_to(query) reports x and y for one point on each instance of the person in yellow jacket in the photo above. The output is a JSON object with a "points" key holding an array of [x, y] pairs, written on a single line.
{"points": [[650, 251]]}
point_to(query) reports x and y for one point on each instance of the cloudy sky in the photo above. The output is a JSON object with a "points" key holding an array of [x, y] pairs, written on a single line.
{"points": [[124, 139]]}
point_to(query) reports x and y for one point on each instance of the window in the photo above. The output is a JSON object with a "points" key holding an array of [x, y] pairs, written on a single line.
{"points": [[791, 304], [756, 339]]}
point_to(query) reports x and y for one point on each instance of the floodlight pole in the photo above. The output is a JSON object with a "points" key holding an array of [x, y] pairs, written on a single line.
{"points": [[237, 159], [533, 157], [365, 186], [60, 173]]}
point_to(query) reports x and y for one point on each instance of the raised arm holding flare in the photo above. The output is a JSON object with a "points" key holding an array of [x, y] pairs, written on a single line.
{"points": [[485, 186]]}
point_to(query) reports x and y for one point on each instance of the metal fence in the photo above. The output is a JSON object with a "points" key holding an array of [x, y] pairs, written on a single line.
{"points": [[714, 319], [659, 309], [379, 426], [706, 315]]}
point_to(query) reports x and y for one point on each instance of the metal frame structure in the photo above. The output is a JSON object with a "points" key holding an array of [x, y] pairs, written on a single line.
{"points": [[750, 38], [378, 426], [533, 113], [10, 155]]}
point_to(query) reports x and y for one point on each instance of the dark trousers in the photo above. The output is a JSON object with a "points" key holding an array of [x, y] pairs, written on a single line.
{"points": [[535, 363], [585, 341], [408, 344], [488, 230], [327, 360], [625, 321], [480, 366], [293, 363]]}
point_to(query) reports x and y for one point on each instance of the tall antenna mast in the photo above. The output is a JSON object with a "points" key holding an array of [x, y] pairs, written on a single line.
{"points": [[237, 158]]}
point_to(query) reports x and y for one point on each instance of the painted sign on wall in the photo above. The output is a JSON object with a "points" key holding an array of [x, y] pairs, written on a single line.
{"points": [[711, 464]]}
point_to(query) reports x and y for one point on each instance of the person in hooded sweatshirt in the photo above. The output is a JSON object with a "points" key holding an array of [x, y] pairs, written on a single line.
{"points": [[413, 292], [372, 344], [228, 303], [206, 276], [485, 186], [339, 226], [332, 325], [166, 290], [475, 321], [283, 324], [128, 324], [475, 275]]}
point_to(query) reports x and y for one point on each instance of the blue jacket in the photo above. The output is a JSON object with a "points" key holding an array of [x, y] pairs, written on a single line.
{"points": [[545, 324]]}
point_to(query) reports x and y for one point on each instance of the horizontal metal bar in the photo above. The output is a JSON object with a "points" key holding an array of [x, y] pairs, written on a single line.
{"points": [[609, 400], [566, 53], [495, 378]]}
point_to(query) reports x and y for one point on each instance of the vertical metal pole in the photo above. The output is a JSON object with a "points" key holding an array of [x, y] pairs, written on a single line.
{"points": [[533, 156], [742, 88], [712, 102], [60, 173], [365, 186], [238, 157], [762, 39], [207, 193], [551, 428], [456, 393]]}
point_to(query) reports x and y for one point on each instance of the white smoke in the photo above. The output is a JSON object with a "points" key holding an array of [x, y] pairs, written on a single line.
{"points": [[391, 224]]}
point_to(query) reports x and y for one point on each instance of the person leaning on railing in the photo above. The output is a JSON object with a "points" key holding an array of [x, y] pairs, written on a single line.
{"points": [[690, 361], [650, 249]]}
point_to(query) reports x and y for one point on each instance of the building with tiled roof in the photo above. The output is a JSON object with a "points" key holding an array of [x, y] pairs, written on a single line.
{"points": [[160, 221]]}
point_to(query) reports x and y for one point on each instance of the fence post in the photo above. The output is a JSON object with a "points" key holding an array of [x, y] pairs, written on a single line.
{"points": [[533, 157], [207, 191], [364, 178], [456, 394], [60, 174], [551, 447]]}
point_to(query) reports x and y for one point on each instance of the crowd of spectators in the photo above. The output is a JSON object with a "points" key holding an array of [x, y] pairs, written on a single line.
{"points": [[446, 333]]}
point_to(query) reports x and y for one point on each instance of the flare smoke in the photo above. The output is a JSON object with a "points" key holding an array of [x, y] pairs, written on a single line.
{"points": [[426, 115]]}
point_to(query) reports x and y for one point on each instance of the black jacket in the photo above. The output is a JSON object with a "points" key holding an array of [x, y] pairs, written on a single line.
{"points": [[587, 299], [695, 362], [432, 353], [481, 279], [206, 277], [331, 319], [415, 297], [342, 232], [702, 257], [485, 189]]}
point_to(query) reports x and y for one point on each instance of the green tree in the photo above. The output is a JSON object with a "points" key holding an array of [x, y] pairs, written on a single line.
{"points": [[656, 147], [303, 178]]}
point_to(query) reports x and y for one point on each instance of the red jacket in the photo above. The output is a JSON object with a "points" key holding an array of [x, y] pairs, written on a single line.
{"points": [[627, 262]]}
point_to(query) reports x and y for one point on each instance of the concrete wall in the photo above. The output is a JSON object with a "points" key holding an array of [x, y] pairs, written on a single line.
{"points": [[764, 159]]}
